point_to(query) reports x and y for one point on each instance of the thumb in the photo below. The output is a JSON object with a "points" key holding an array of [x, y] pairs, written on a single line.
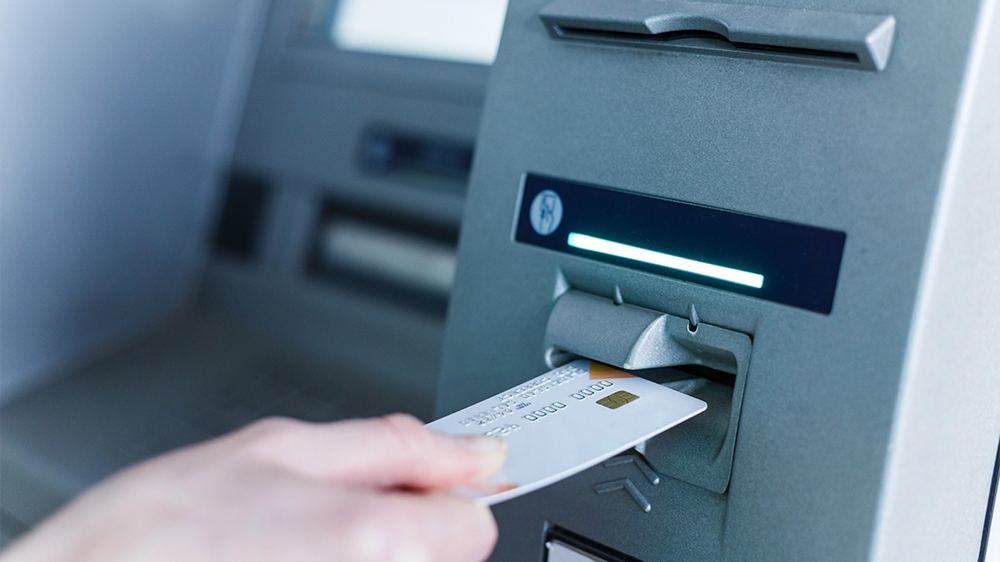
{"points": [[394, 451]]}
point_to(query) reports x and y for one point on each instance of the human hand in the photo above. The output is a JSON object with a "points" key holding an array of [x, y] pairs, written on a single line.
{"points": [[288, 491]]}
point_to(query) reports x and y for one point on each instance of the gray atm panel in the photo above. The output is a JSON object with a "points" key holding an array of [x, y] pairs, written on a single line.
{"points": [[868, 433], [318, 126]]}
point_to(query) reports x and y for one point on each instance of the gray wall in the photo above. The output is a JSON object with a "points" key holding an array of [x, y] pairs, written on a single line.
{"points": [[116, 119]]}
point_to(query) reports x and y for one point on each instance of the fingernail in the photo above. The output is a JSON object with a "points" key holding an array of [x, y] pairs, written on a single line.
{"points": [[492, 452], [484, 512], [482, 444]]}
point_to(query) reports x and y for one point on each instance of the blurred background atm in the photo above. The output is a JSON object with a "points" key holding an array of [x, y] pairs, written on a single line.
{"points": [[217, 211]]}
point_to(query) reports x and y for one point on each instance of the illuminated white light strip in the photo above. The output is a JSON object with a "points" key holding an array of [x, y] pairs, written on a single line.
{"points": [[601, 246]]}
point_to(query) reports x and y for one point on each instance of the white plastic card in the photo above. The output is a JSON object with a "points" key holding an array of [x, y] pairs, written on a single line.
{"points": [[565, 421]]}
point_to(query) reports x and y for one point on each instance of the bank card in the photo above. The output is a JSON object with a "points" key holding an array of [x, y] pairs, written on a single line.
{"points": [[565, 421]]}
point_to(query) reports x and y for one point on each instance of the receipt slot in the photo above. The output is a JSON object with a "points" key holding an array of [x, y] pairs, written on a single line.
{"points": [[788, 209]]}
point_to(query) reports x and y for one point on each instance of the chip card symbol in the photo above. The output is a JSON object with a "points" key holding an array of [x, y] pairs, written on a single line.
{"points": [[617, 400], [546, 212]]}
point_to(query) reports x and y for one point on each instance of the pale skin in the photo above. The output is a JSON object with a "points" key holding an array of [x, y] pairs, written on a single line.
{"points": [[281, 490]]}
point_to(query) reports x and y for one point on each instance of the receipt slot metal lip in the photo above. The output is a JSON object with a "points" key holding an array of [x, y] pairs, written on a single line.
{"points": [[784, 262], [852, 40]]}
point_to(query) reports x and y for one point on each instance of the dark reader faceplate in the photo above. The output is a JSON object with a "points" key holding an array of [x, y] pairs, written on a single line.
{"points": [[778, 261]]}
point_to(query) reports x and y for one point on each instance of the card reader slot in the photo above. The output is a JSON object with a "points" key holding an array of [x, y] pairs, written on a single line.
{"points": [[860, 41], [709, 363], [709, 374], [679, 451]]}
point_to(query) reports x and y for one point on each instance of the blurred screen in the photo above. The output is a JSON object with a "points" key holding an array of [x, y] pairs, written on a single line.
{"points": [[452, 30]]}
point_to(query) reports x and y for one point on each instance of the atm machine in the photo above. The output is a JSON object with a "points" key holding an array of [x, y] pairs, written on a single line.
{"points": [[787, 208]]}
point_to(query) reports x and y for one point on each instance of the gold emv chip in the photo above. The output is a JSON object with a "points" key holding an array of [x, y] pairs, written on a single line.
{"points": [[617, 400]]}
